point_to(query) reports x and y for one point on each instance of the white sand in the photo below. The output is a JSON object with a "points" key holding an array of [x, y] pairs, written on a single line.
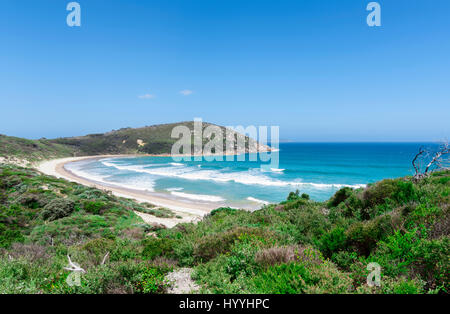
{"points": [[190, 212]]}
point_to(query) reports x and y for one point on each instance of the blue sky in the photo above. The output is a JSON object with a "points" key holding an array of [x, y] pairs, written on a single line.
{"points": [[312, 67]]}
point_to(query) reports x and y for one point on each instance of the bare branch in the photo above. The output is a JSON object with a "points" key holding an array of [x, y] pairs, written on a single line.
{"points": [[104, 259], [73, 266], [436, 160], [416, 167]]}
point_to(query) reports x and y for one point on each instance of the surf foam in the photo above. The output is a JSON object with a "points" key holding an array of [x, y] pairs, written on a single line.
{"points": [[199, 197]]}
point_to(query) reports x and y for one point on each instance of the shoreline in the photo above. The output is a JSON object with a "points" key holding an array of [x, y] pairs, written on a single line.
{"points": [[189, 211]]}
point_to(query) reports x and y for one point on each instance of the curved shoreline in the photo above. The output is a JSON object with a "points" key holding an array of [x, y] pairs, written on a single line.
{"points": [[188, 211]]}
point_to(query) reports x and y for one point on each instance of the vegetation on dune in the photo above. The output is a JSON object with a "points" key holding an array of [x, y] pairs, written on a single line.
{"points": [[297, 246], [32, 150], [44, 219]]}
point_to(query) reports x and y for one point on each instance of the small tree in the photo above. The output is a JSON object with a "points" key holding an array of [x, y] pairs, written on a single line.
{"points": [[429, 160]]}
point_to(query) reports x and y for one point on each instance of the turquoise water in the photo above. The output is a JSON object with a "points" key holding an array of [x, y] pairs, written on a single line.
{"points": [[318, 169]]}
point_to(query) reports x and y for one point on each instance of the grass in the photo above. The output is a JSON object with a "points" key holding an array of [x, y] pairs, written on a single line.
{"points": [[297, 246]]}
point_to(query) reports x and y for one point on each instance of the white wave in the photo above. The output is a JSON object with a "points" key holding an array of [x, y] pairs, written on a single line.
{"points": [[176, 164], [199, 197], [86, 175], [174, 189], [277, 170], [250, 177], [140, 185], [137, 168], [257, 200]]}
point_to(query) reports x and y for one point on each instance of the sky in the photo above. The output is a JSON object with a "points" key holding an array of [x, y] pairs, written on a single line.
{"points": [[312, 67]]}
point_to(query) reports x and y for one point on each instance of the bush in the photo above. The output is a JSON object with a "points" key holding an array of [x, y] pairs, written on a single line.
{"points": [[241, 259], [33, 200], [333, 241], [363, 236], [11, 225], [431, 261], [405, 192], [297, 278], [394, 286], [225, 210], [157, 247], [94, 207], [57, 208], [153, 281], [396, 253], [378, 193], [339, 197], [309, 222], [344, 259], [289, 278], [287, 254], [305, 196], [399, 191], [212, 245], [293, 196]]}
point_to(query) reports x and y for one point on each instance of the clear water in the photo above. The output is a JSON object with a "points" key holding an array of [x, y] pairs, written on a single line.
{"points": [[318, 169]]}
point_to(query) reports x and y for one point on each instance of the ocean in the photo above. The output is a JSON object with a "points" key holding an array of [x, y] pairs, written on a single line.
{"points": [[318, 169]]}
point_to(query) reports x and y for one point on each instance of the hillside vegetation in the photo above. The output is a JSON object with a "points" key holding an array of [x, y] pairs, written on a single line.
{"points": [[297, 246], [32, 150], [147, 140]]}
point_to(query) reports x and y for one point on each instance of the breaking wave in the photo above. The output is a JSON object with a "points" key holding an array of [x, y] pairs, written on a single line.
{"points": [[248, 177], [199, 197]]}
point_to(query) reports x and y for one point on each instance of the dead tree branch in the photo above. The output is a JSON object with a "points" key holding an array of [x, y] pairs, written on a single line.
{"points": [[416, 167], [104, 258], [73, 266], [438, 160]]}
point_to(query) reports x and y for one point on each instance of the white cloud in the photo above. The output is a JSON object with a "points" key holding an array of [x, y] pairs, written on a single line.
{"points": [[146, 96], [186, 92]]}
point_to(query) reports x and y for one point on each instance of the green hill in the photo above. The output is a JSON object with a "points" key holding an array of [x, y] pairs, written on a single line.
{"points": [[146, 140], [32, 150], [297, 246]]}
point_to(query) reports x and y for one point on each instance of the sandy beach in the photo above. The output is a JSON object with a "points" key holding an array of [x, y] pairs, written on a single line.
{"points": [[188, 211]]}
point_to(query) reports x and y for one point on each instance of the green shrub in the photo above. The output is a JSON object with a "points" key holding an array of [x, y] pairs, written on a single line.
{"points": [[153, 281], [289, 278], [212, 245], [333, 241], [405, 192], [3, 197], [309, 222], [396, 253], [225, 210], [344, 259], [340, 196], [33, 200], [240, 261], [297, 278], [378, 193], [157, 247], [363, 236], [11, 225], [111, 278], [287, 254], [293, 196], [57, 208], [9, 236], [431, 260], [94, 207], [390, 285]]}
